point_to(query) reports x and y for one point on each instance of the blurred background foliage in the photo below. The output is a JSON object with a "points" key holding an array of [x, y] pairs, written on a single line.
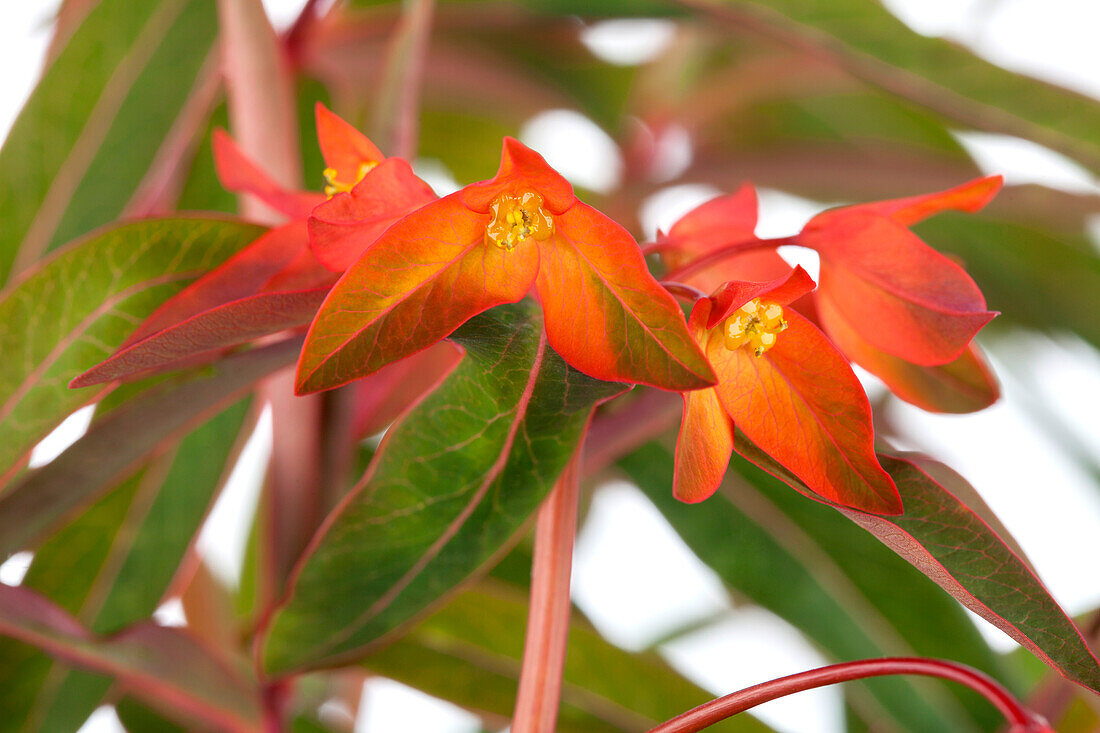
{"points": [[829, 100]]}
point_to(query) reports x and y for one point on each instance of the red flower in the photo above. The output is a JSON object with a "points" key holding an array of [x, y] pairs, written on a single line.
{"points": [[786, 387], [276, 282], [491, 243], [891, 303]]}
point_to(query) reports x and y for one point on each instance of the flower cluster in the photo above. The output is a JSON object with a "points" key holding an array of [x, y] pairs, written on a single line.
{"points": [[381, 270]]}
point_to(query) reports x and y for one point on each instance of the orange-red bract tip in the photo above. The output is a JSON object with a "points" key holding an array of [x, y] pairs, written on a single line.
{"points": [[720, 221], [732, 295], [343, 146], [521, 169]]}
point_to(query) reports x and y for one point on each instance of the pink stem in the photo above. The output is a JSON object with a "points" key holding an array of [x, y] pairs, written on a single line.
{"points": [[548, 623], [707, 714], [687, 293], [729, 250]]}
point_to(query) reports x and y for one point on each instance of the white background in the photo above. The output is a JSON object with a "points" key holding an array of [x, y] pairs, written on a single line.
{"points": [[634, 577]]}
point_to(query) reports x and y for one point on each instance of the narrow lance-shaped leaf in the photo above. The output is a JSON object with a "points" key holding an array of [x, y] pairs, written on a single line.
{"points": [[876, 46], [74, 309], [164, 666], [115, 446], [111, 566], [453, 482], [97, 120], [949, 542], [807, 564], [469, 652]]}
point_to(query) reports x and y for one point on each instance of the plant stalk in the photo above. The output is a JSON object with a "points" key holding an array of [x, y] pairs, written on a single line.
{"points": [[707, 714], [548, 623]]}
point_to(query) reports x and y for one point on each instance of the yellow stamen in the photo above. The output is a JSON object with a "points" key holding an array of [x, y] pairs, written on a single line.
{"points": [[755, 324], [335, 186], [516, 217]]}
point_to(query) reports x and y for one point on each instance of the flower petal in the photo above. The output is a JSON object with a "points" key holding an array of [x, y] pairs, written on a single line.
{"points": [[801, 403], [605, 314], [703, 447], [970, 197], [721, 221], [901, 296], [961, 386], [238, 173], [521, 169], [423, 278], [732, 295], [342, 228], [345, 148]]}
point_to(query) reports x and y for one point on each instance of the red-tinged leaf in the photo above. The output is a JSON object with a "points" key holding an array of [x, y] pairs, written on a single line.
{"points": [[116, 445], [208, 333], [523, 168], [384, 395], [427, 275], [605, 314], [901, 295], [238, 173], [165, 666], [964, 385], [801, 404], [703, 447], [732, 295], [950, 543], [969, 197], [342, 228], [344, 147], [242, 275], [451, 485]]}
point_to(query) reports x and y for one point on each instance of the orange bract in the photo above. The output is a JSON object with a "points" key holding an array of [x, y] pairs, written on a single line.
{"points": [[489, 244]]}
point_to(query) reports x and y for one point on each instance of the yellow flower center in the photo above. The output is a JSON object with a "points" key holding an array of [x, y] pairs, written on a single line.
{"points": [[334, 185], [517, 217], [755, 324]]}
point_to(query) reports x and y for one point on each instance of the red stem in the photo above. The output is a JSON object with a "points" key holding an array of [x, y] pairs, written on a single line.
{"points": [[708, 714], [729, 250], [687, 293], [548, 623]]}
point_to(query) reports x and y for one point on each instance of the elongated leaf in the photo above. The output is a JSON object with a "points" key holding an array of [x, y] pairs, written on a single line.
{"points": [[164, 666], [118, 443], [950, 543], [848, 593], [453, 482], [77, 307], [93, 126], [469, 652], [111, 566], [873, 44]]}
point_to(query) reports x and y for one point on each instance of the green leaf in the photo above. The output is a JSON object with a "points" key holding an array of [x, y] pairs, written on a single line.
{"points": [[96, 121], [164, 666], [112, 565], [851, 596], [949, 541], [115, 446], [872, 44], [470, 652], [452, 484], [72, 311]]}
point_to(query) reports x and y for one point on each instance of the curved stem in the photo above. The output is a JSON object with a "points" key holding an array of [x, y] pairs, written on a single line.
{"points": [[548, 622], [708, 714], [729, 250], [687, 293]]}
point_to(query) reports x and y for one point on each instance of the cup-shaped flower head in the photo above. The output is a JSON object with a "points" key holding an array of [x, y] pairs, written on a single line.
{"points": [[276, 282], [788, 390], [491, 243], [891, 303]]}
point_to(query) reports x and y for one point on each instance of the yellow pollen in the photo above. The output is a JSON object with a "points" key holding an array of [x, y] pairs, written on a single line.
{"points": [[755, 324], [334, 186], [516, 217]]}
